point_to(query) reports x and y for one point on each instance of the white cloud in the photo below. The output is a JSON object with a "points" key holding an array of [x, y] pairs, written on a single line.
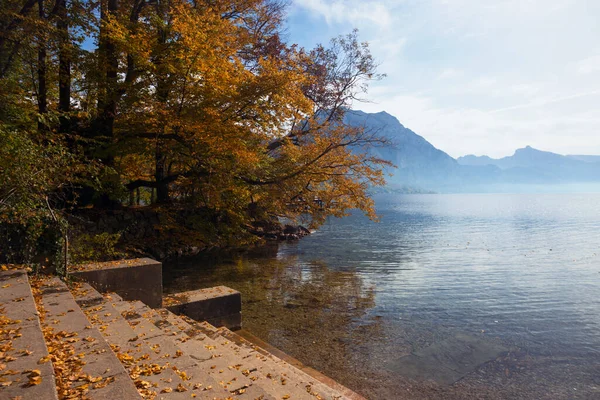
{"points": [[353, 11], [483, 77], [460, 131], [588, 65], [449, 73], [544, 101]]}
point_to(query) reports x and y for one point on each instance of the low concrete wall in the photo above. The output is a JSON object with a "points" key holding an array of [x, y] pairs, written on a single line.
{"points": [[137, 279], [219, 306]]}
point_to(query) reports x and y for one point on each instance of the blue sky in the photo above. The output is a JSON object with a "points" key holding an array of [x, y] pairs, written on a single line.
{"points": [[476, 76]]}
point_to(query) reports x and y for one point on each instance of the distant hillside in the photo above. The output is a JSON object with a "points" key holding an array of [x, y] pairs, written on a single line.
{"points": [[417, 160], [529, 165], [592, 159], [420, 164], [423, 168]]}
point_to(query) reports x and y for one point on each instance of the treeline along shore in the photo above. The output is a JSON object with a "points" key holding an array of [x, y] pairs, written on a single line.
{"points": [[126, 125]]}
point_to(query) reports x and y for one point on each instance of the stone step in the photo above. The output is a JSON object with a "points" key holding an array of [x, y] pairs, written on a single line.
{"points": [[22, 342], [265, 363], [201, 363], [278, 378], [100, 374], [321, 385], [269, 365], [227, 361], [272, 374], [85, 295], [147, 366]]}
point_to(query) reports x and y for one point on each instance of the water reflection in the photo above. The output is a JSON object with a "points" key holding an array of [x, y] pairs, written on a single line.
{"points": [[317, 314], [356, 297]]}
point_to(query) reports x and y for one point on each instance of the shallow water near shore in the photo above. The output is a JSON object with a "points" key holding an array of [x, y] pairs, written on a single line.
{"points": [[515, 279]]}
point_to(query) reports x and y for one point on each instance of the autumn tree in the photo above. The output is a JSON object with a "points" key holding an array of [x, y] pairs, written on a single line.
{"points": [[200, 105], [235, 117], [39, 170]]}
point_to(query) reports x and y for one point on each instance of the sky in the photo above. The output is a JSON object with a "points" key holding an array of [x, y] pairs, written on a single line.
{"points": [[475, 76]]}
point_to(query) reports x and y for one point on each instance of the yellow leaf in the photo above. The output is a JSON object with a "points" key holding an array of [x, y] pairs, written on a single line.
{"points": [[36, 380]]}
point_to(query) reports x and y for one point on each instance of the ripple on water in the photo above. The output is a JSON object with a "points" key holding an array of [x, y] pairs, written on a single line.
{"points": [[521, 268]]}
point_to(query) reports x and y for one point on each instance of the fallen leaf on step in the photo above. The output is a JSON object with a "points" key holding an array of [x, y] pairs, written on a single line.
{"points": [[35, 380]]}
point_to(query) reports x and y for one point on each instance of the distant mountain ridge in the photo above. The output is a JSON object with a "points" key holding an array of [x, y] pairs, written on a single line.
{"points": [[528, 157], [421, 165], [418, 161], [592, 159], [542, 166]]}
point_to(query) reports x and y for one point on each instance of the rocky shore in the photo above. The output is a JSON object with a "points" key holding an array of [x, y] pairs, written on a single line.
{"points": [[150, 232], [277, 231]]}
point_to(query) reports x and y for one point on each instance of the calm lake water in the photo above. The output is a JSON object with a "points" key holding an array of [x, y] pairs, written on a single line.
{"points": [[521, 271]]}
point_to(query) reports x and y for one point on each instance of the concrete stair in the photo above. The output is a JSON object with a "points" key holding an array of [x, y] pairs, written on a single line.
{"points": [[100, 363], [276, 375], [232, 359], [22, 343], [120, 349], [150, 356]]}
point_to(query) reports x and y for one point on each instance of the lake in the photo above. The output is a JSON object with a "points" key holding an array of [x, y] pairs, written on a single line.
{"points": [[448, 296]]}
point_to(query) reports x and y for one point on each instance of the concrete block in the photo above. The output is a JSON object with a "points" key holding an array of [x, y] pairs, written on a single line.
{"points": [[136, 279], [220, 306], [231, 321]]}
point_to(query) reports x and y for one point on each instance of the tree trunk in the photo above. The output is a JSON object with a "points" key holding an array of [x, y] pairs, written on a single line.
{"points": [[162, 186], [162, 94], [162, 193], [9, 44], [41, 71], [107, 100], [64, 65], [103, 127]]}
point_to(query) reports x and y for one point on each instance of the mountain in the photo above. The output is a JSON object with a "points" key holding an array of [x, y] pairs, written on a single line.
{"points": [[419, 164], [418, 161], [475, 160], [422, 166], [592, 159], [525, 157], [529, 165]]}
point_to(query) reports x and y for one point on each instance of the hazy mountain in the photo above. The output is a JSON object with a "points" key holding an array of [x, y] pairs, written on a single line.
{"points": [[419, 163], [592, 159], [536, 166], [475, 160], [422, 166], [525, 157], [417, 160]]}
